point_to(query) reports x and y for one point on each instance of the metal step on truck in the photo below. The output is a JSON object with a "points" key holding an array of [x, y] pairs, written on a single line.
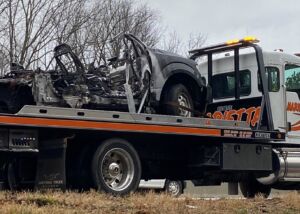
{"points": [[44, 147]]}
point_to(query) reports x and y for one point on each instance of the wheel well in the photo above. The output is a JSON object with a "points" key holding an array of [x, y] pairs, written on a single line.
{"points": [[198, 95], [78, 161]]}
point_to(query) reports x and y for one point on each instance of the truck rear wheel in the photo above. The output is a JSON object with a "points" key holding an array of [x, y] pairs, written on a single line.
{"points": [[178, 95], [252, 187], [116, 167]]}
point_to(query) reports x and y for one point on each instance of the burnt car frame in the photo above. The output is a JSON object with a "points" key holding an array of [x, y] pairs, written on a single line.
{"points": [[139, 79]]}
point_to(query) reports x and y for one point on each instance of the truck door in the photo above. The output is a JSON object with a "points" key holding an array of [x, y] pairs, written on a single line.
{"points": [[247, 108], [259, 113], [292, 83], [277, 98], [225, 106]]}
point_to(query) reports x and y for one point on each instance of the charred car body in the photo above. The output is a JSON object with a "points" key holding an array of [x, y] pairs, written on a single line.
{"points": [[139, 79]]}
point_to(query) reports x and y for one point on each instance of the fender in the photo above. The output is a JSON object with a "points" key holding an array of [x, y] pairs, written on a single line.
{"points": [[170, 70]]}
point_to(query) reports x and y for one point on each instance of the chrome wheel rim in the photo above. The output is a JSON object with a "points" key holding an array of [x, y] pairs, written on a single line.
{"points": [[184, 101], [117, 169], [173, 188]]}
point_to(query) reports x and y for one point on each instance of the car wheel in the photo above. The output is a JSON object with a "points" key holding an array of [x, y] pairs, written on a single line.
{"points": [[116, 167], [252, 187], [175, 96], [174, 188]]}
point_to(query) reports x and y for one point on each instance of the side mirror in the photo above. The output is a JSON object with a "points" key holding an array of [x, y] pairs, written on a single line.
{"points": [[289, 127]]}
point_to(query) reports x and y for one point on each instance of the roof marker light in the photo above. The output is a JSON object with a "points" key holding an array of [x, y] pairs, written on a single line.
{"points": [[250, 39], [233, 41]]}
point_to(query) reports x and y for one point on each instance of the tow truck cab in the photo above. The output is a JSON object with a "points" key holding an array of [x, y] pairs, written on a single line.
{"points": [[263, 89], [283, 77]]}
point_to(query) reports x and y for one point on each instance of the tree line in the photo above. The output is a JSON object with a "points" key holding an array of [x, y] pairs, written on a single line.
{"points": [[30, 29]]}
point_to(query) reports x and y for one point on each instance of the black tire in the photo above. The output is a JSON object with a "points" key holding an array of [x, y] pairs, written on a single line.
{"points": [[116, 167], [174, 188], [12, 180], [252, 187], [177, 94]]}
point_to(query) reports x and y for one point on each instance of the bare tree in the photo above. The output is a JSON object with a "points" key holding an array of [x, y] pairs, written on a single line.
{"points": [[27, 28], [195, 41], [4, 62], [174, 43], [111, 17], [30, 29]]}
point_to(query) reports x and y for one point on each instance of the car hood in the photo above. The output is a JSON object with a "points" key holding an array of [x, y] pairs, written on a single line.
{"points": [[165, 58]]}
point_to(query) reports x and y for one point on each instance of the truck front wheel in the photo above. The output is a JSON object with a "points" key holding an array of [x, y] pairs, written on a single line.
{"points": [[116, 167], [252, 187]]}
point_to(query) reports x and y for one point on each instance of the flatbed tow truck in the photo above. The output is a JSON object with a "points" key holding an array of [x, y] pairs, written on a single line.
{"points": [[52, 147]]}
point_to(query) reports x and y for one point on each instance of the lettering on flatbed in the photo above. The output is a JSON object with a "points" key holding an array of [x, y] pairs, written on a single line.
{"points": [[237, 133], [263, 135]]}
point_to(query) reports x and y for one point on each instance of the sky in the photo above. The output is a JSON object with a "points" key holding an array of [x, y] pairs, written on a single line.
{"points": [[276, 23]]}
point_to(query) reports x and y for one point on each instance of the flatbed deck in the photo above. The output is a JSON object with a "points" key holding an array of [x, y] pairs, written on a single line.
{"points": [[68, 118]]}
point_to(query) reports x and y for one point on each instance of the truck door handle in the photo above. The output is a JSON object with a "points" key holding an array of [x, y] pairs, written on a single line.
{"points": [[258, 150], [237, 148]]}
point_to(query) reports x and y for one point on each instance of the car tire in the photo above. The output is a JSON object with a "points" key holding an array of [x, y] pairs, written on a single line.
{"points": [[176, 95], [174, 188], [116, 167], [252, 187]]}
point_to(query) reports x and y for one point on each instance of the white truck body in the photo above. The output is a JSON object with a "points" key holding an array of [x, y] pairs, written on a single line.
{"points": [[285, 102]]}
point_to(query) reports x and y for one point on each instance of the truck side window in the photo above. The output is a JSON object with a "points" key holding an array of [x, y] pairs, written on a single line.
{"points": [[292, 78], [224, 84], [272, 74]]}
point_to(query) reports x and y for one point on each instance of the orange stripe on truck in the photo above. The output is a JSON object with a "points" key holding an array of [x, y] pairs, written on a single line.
{"points": [[295, 128], [109, 126]]}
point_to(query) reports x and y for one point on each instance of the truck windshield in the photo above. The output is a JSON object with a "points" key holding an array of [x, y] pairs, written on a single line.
{"points": [[224, 84], [292, 78]]}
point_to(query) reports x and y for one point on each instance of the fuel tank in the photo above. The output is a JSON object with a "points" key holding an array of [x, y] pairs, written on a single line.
{"points": [[286, 164]]}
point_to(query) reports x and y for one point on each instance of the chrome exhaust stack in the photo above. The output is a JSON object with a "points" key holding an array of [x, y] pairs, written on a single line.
{"points": [[286, 167]]}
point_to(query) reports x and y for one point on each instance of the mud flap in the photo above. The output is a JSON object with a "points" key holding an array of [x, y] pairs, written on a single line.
{"points": [[233, 188], [2, 177], [51, 173]]}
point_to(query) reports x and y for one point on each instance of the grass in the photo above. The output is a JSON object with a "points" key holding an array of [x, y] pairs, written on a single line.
{"points": [[139, 203]]}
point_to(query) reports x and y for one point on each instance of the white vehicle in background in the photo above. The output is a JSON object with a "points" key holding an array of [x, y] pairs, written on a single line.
{"points": [[174, 188]]}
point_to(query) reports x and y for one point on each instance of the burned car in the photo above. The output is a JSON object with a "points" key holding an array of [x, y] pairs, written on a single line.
{"points": [[138, 79]]}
